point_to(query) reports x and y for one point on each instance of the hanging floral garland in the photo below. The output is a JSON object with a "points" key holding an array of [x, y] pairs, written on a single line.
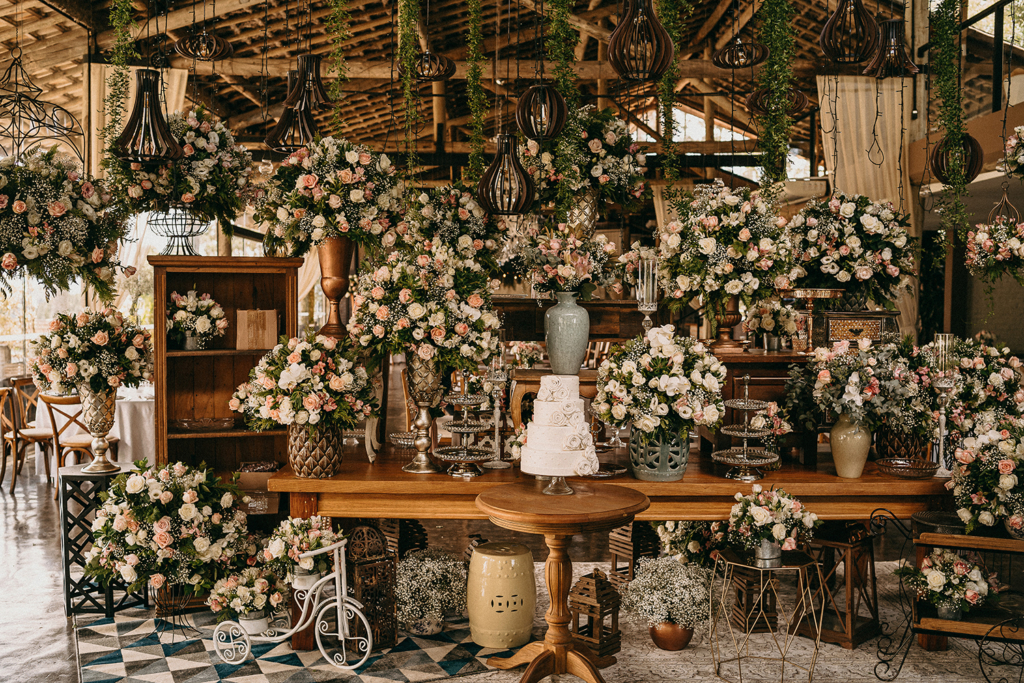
{"points": [[945, 77], [408, 53], [561, 46], [776, 75], [339, 28], [673, 15], [475, 93], [122, 22]]}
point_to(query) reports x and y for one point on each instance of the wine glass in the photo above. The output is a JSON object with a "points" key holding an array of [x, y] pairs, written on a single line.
{"points": [[647, 290]]}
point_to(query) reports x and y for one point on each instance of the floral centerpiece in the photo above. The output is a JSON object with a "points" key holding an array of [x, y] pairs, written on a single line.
{"points": [[692, 542], [769, 316], [988, 481], [451, 215], [329, 189], [525, 354], [727, 243], [664, 594], [555, 260], [850, 242], [430, 585], [995, 249], [195, 316], [770, 517], [950, 582], [173, 525], [57, 225], [1013, 153], [252, 592], [212, 180], [98, 350], [293, 537]]}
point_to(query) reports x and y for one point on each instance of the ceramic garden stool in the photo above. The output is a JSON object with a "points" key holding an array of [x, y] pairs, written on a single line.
{"points": [[502, 595]]}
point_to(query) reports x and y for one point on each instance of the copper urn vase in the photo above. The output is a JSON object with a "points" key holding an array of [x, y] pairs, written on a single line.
{"points": [[335, 254]]}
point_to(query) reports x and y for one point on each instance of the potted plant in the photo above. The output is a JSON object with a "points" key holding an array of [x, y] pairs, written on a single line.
{"points": [[768, 522], [194, 320], [950, 582], [313, 387], [666, 386], [672, 598], [771, 319], [996, 249], [431, 584], [59, 224], [291, 538], [249, 597], [988, 480], [692, 542]]}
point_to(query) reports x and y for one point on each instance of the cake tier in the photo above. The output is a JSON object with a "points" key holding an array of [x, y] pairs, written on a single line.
{"points": [[563, 438], [559, 388], [558, 413], [559, 463]]}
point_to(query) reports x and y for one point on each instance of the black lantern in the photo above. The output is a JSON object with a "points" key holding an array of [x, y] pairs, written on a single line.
{"points": [[760, 103], [640, 49], [204, 47], [312, 85], [296, 127], [850, 35], [739, 54], [431, 67], [541, 112], [972, 158], [146, 138], [892, 60], [506, 189]]}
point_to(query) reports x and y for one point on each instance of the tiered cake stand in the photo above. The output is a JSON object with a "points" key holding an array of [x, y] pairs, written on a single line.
{"points": [[745, 460], [465, 460]]}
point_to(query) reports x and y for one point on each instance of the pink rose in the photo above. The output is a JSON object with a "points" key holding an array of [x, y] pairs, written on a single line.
{"points": [[824, 376], [475, 300], [189, 150], [188, 197], [383, 312], [3, 201], [163, 524], [310, 180], [19, 206], [9, 262], [120, 523], [437, 334], [744, 235], [165, 498], [405, 296], [364, 158], [346, 177], [402, 323], [892, 270], [139, 341], [157, 580], [595, 145], [114, 381], [1006, 466], [789, 544], [965, 456], [311, 402], [378, 330], [863, 272], [215, 518], [426, 352], [294, 357], [163, 539], [100, 338], [378, 292], [71, 369], [97, 255], [972, 597], [132, 559], [57, 209], [334, 201], [190, 496], [462, 329]]}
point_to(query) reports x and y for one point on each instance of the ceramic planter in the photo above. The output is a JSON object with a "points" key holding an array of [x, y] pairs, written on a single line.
{"points": [[316, 455], [659, 459], [427, 626], [1015, 533], [850, 443], [669, 636], [567, 332], [254, 623]]}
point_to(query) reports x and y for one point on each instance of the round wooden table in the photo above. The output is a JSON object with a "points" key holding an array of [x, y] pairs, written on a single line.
{"points": [[594, 507]]}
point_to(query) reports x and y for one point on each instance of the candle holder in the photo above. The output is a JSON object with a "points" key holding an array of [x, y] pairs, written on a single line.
{"points": [[647, 289], [498, 376], [425, 389]]}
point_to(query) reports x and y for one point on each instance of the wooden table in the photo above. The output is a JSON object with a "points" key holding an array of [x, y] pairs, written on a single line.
{"points": [[528, 382], [594, 507], [384, 490]]}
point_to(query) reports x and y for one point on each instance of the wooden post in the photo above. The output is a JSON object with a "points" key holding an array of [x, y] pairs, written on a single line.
{"points": [[602, 85], [302, 505]]}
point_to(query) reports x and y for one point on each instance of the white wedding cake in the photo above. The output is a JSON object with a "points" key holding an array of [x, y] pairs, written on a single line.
{"points": [[558, 438]]}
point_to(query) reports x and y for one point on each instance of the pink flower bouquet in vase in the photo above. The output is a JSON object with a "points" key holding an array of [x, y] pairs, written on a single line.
{"points": [[768, 522]]}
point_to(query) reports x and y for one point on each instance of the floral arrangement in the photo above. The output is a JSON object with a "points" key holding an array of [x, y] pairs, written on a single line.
{"points": [[431, 302], [57, 224], [251, 590], [771, 419], [595, 150], [862, 382], [332, 188], [295, 536], [995, 249], [771, 515], [664, 590], [662, 383], [451, 215], [100, 349], [692, 542], [850, 242], [769, 316], [212, 180], [526, 354], [1013, 153], [948, 580], [197, 315], [727, 242], [988, 481], [173, 525], [558, 261], [312, 382], [430, 584], [630, 260], [514, 443]]}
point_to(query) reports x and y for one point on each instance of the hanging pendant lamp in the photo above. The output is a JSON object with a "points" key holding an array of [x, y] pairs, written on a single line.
{"points": [[739, 54], [891, 60], [850, 35], [506, 189], [759, 102], [296, 127], [972, 158], [1004, 211], [308, 75], [541, 112], [146, 138], [640, 49], [204, 47], [431, 67]]}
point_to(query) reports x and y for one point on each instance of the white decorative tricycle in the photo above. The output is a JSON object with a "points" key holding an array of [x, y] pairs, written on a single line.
{"points": [[233, 643]]}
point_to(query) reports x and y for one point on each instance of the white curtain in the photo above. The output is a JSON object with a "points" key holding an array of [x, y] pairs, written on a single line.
{"points": [[866, 151], [309, 274]]}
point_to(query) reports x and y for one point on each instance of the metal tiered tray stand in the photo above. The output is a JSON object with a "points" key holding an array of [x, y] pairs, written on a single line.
{"points": [[465, 460], [745, 460]]}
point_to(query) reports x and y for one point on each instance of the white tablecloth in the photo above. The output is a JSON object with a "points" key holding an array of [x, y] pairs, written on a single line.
{"points": [[133, 424]]}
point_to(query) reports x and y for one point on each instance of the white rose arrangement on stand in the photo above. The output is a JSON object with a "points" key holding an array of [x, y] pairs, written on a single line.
{"points": [[949, 581], [195, 315], [252, 590], [772, 516], [451, 215], [770, 316], [988, 480]]}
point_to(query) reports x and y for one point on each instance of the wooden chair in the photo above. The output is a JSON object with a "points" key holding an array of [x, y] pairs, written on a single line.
{"points": [[9, 432], [64, 443], [26, 401]]}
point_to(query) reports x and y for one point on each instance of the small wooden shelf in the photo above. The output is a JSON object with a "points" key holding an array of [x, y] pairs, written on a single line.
{"points": [[984, 543], [217, 352], [223, 433], [972, 626]]}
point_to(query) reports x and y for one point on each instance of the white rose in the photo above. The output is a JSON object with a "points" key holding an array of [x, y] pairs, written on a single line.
{"points": [[987, 518], [779, 531], [618, 411], [1007, 481], [707, 245], [416, 310], [306, 563], [936, 580], [226, 500], [356, 196], [203, 325], [187, 511], [128, 573], [135, 483], [276, 548], [351, 156], [201, 544], [761, 515]]}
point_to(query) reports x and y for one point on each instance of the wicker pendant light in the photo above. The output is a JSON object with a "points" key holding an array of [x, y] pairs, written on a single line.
{"points": [[541, 112], [297, 127], [759, 102], [313, 85], [971, 154], [505, 189], [739, 54], [850, 35], [204, 47], [640, 49], [146, 138], [892, 60], [431, 67]]}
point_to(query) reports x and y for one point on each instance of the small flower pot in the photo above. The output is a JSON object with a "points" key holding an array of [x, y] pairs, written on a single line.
{"points": [[254, 623], [768, 554], [304, 579], [659, 459], [948, 613], [669, 636], [427, 626]]}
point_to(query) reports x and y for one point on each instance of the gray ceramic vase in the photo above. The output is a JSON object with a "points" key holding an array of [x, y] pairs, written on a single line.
{"points": [[566, 331], [659, 459]]}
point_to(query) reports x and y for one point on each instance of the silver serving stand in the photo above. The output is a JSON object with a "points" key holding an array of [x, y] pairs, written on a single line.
{"points": [[233, 644], [465, 460], [745, 459]]}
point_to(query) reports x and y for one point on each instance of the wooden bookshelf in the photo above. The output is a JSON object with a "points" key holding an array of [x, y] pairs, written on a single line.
{"points": [[198, 384]]}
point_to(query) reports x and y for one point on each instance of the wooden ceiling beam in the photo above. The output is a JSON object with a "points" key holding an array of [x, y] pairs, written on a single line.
{"points": [[712, 21], [81, 12], [741, 22], [577, 22]]}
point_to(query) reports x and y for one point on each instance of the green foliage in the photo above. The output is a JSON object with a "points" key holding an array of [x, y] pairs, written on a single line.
{"points": [[945, 78], [408, 53], [475, 92], [123, 23], [932, 283], [673, 15], [561, 46], [776, 74], [339, 28]]}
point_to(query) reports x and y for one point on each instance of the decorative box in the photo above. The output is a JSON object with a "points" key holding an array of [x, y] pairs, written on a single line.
{"points": [[252, 480], [257, 329], [836, 326]]}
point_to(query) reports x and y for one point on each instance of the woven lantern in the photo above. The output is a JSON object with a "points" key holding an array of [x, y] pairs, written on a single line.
{"points": [[850, 35], [640, 49], [971, 161], [506, 189], [430, 67], [541, 112], [628, 544], [311, 84], [739, 54], [146, 138], [297, 127], [892, 60], [594, 606], [204, 47], [372, 573], [403, 536]]}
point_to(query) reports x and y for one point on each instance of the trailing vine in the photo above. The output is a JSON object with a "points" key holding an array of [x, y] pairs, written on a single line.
{"points": [[475, 92], [776, 75], [122, 21], [339, 28], [673, 15], [561, 46], [408, 53], [945, 78]]}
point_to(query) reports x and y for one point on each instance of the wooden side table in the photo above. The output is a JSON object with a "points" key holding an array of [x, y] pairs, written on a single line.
{"points": [[594, 507]]}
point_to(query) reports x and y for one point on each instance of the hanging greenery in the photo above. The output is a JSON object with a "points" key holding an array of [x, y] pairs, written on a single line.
{"points": [[475, 93], [561, 46], [945, 80], [122, 21], [408, 54], [776, 75], [339, 28], [673, 15]]}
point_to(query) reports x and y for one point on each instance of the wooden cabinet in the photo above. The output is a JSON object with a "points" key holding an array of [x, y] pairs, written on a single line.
{"points": [[199, 384]]}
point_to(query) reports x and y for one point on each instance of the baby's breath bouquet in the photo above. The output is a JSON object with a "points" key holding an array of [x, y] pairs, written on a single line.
{"points": [[948, 580], [195, 314], [430, 585], [295, 536], [666, 590], [451, 215], [995, 249]]}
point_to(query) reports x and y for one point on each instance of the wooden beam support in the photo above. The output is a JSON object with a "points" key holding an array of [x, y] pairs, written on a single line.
{"points": [[179, 18], [576, 21], [79, 12], [712, 21]]}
